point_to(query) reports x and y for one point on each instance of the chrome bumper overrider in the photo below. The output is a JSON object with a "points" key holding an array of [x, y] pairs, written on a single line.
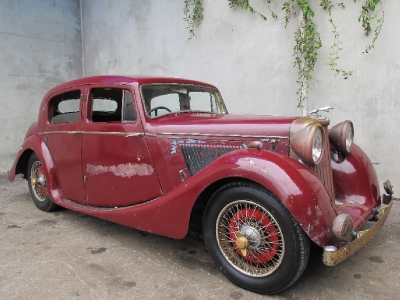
{"points": [[332, 258]]}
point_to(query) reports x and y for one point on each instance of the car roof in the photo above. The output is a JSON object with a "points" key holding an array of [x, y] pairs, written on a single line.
{"points": [[123, 79]]}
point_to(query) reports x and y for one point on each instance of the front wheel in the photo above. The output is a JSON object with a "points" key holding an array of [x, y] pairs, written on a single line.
{"points": [[254, 240], [37, 183]]}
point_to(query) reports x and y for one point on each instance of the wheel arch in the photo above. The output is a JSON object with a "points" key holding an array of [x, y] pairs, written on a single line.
{"points": [[35, 144], [293, 184], [205, 197], [22, 164]]}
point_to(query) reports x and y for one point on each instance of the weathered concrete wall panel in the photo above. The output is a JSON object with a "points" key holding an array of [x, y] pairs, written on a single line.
{"points": [[371, 96], [251, 61], [40, 46], [150, 38]]}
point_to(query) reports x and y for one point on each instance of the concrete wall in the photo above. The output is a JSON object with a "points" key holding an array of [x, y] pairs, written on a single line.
{"points": [[40, 46], [251, 61], [234, 50]]}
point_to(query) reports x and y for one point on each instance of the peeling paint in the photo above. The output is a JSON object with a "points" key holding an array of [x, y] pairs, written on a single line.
{"points": [[308, 229], [121, 170], [318, 211], [174, 144], [173, 147], [191, 141], [96, 170], [249, 161]]}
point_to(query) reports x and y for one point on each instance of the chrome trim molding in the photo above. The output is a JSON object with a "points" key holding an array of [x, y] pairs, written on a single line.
{"points": [[127, 134], [223, 135]]}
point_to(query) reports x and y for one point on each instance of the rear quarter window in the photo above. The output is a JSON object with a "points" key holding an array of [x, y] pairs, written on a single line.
{"points": [[64, 108]]}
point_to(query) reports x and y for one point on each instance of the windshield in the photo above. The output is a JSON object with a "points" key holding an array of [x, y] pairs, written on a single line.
{"points": [[163, 99]]}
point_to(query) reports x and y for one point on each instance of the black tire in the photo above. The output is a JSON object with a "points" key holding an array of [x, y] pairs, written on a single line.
{"points": [[37, 183], [277, 250]]}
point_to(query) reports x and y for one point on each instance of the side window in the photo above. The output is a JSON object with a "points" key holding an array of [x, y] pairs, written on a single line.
{"points": [[129, 108], [111, 105], [64, 108]]}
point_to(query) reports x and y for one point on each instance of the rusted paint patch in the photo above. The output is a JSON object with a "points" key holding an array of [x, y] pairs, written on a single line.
{"points": [[121, 170]]}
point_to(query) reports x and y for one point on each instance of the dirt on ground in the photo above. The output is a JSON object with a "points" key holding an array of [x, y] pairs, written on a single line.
{"points": [[68, 255]]}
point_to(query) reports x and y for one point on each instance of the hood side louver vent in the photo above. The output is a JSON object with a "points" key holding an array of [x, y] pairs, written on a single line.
{"points": [[198, 157]]}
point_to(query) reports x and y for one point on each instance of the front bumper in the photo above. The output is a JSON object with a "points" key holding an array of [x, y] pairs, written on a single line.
{"points": [[332, 258]]}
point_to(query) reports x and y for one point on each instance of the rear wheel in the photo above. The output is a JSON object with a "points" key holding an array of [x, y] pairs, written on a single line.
{"points": [[37, 183], [254, 240]]}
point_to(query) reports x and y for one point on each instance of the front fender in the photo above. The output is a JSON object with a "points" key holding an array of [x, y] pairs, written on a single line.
{"points": [[35, 143], [292, 183], [356, 184]]}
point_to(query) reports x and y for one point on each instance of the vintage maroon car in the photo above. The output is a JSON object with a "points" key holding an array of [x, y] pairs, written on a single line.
{"points": [[163, 154]]}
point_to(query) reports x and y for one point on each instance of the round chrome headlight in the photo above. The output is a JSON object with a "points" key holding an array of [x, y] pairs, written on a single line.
{"points": [[341, 136], [308, 144], [349, 138], [317, 145]]}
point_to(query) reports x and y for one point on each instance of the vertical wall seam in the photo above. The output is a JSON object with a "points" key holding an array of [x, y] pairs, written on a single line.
{"points": [[82, 49]]}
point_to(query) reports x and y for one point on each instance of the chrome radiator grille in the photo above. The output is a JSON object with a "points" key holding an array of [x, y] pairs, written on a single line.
{"points": [[324, 169]]}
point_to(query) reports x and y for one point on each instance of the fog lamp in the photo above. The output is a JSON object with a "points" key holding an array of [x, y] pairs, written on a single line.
{"points": [[342, 227]]}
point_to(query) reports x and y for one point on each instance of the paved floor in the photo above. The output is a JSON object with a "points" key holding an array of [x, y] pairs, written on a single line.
{"points": [[68, 255]]}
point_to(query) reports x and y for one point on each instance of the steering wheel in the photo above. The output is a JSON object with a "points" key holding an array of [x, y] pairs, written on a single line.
{"points": [[155, 109]]}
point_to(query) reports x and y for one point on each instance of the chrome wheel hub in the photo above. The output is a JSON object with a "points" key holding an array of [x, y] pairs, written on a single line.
{"points": [[252, 235]]}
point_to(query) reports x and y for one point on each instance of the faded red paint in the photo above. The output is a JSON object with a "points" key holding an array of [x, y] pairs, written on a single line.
{"points": [[130, 173]]}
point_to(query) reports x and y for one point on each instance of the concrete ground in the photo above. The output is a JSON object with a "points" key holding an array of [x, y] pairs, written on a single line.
{"points": [[68, 255]]}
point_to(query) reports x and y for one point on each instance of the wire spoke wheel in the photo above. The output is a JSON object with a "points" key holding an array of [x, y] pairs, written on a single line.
{"points": [[254, 239], [246, 222], [38, 181], [38, 184]]}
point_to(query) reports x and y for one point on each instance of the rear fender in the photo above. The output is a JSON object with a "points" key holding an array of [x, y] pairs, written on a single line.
{"points": [[35, 144]]}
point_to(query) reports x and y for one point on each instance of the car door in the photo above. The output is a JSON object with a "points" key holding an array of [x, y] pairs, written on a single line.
{"points": [[117, 166], [63, 138]]}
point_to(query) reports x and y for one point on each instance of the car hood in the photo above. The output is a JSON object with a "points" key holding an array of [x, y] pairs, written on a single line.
{"points": [[224, 125]]}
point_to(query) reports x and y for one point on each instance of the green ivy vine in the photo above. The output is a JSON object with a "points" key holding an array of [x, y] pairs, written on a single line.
{"points": [[193, 11], [307, 38]]}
